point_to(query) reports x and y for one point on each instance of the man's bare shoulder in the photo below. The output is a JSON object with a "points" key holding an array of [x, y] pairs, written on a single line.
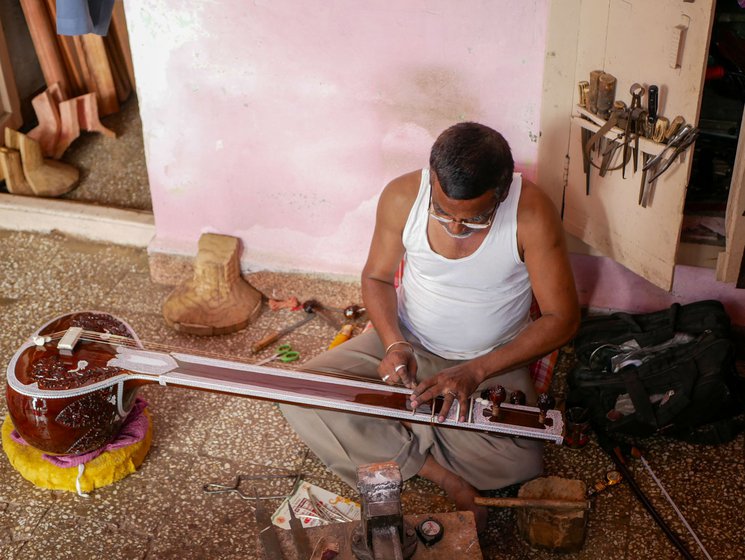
{"points": [[398, 197], [538, 221], [534, 202], [404, 188]]}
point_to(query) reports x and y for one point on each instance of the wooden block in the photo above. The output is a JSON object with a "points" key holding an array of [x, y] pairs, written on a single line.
{"points": [[12, 171], [559, 530], [100, 71], [47, 132], [216, 300], [45, 176], [79, 113], [45, 43]]}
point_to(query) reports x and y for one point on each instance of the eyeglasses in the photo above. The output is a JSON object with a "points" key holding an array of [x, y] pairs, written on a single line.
{"points": [[477, 222]]}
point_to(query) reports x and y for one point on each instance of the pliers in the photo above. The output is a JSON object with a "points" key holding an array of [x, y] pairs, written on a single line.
{"points": [[678, 144]]}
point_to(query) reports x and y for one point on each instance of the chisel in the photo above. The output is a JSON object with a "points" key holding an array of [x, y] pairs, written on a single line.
{"points": [[302, 545], [267, 535], [273, 337]]}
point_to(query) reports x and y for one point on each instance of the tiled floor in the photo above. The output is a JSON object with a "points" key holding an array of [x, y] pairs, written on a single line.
{"points": [[161, 511]]}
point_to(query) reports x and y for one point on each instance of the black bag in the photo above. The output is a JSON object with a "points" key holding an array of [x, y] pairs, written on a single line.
{"points": [[669, 372]]}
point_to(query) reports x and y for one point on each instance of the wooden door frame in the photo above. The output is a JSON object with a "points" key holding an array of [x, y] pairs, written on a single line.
{"points": [[562, 30], [732, 259], [10, 105]]}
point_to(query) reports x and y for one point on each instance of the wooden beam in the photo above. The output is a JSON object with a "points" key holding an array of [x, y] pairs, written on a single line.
{"points": [[98, 65], [45, 43], [120, 34], [10, 105]]}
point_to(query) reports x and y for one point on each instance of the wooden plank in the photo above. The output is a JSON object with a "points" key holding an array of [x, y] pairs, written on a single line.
{"points": [[90, 83], [98, 65], [69, 55], [10, 105], [45, 43], [118, 70], [119, 32]]}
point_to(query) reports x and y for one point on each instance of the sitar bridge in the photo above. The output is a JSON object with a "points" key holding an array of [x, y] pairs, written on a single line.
{"points": [[69, 340]]}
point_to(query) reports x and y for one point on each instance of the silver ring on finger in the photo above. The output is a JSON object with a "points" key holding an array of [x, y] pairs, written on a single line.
{"points": [[386, 377], [398, 368], [452, 394]]}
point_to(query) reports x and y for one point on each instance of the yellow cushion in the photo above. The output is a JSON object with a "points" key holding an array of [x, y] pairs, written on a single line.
{"points": [[101, 471]]}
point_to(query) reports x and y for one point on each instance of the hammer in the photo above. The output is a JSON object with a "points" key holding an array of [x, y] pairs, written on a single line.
{"points": [[314, 306]]}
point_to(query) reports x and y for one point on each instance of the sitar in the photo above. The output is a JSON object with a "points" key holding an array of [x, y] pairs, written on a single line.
{"points": [[72, 383]]}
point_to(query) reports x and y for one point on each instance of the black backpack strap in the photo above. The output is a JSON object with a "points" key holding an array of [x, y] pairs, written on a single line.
{"points": [[639, 396], [651, 328]]}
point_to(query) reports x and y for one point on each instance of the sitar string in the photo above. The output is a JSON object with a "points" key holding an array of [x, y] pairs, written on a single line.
{"points": [[118, 340]]}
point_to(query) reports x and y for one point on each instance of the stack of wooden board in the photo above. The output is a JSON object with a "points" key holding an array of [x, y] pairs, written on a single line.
{"points": [[86, 63]]}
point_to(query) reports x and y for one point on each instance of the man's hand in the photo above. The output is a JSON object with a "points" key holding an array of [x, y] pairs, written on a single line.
{"points": [[399, 366], [456, 383]]}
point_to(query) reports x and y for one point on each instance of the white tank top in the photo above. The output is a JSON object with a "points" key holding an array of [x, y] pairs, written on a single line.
{"points": [[463, 308]]}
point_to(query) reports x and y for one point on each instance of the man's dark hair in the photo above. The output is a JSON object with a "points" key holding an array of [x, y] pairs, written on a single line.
{"points": [[470, 159]]}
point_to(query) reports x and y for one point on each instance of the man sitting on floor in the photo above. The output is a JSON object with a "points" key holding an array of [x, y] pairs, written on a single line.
{"points": [[477, 242]]}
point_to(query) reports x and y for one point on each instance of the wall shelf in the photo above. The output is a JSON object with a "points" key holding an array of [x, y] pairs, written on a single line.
{"points": [[594, 123]]}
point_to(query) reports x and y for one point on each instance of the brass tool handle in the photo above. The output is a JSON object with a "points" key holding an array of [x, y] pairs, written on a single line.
{"points": [[532, 502]]}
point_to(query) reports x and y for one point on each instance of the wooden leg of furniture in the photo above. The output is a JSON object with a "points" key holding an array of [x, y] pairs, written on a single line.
{"points": [[217, 300], [47, 132], [69, 126], [46, 176], [88, 115], [12, 171]]}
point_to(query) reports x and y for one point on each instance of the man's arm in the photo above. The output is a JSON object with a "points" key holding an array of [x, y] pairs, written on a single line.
{"points": [[378, 292], [543, 248]]}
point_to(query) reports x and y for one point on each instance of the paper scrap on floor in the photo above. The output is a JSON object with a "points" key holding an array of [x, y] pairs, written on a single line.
{"points": [[302, 505]]}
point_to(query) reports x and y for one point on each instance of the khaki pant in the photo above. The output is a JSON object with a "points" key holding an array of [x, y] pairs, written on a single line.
{"points": [[344, 441]]}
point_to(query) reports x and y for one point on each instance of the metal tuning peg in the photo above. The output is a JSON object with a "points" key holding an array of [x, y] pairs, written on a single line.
{"points": [[545, 403], [497, 394]]}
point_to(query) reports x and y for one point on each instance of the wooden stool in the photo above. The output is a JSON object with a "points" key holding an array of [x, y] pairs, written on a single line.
{"points": [[217, 300]]}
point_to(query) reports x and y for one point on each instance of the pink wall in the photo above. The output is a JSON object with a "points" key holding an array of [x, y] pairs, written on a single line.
{"points": [[603, 284], [280, 121]]}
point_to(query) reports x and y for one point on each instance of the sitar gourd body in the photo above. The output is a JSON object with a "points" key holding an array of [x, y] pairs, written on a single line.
{"points": [[71, 385], [78, 423]]}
